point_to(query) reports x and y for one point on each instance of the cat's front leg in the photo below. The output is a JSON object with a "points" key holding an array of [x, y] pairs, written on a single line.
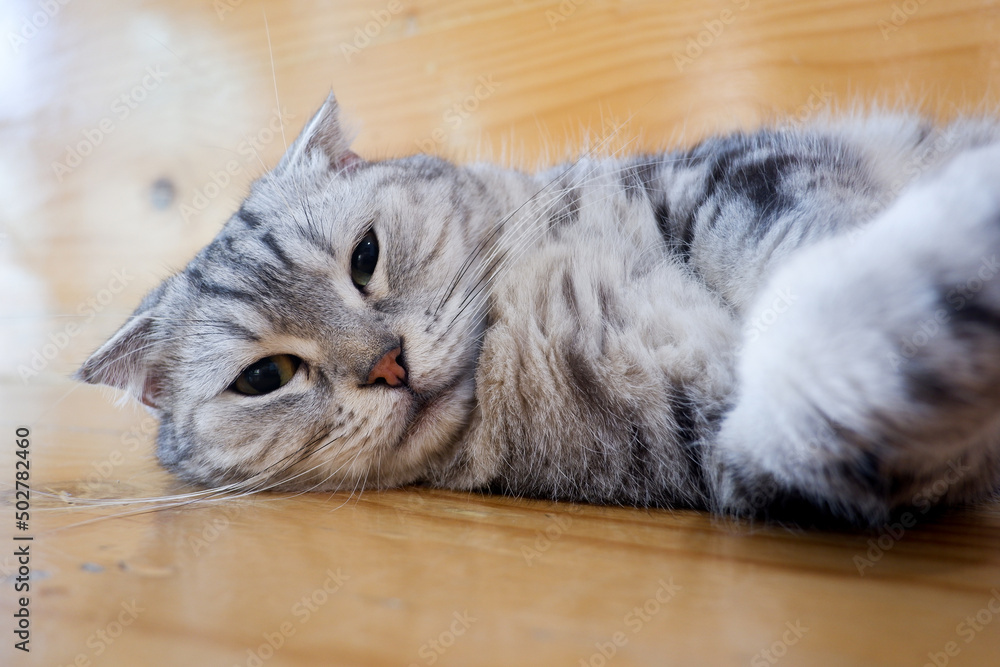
{"points": [[869, 378]]}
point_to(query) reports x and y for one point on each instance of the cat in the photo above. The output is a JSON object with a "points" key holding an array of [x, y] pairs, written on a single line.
{"points": [[794, 322]]}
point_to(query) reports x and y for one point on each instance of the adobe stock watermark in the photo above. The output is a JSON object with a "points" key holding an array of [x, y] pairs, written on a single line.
{"points": [[301, 612], [104, 638], [249, 150], [929, 156], [223, 7], [764, 319], [544, 539], [819, 99], [922, 501], [779, 648], [432, 650], [612, 138], [59, 340], [632, 624], [958, 298], [967, 630], [901, 13], [121, 108], [456, 114], [703, 39], [131, 441], [35, 22], [212, 529], [562, 13], [408, 505], [810, 448], [363, 35], [916, 166], [612, 126]]}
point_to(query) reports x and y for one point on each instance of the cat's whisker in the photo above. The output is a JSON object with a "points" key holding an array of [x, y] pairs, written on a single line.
{"points": [[274, 71], [300, 456], [526, 222], [511, 257], [112, 502], [501, 227], [158, 504], [272, 477], [497, 229], [490, 265], [333, 473]]}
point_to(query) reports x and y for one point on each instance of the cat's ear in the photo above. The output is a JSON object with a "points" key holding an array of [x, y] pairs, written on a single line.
{"points": [[123, 362], [322, 137]]}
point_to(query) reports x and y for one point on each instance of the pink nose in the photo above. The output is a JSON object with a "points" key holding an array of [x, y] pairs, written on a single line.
{"points": [[388, 369]]}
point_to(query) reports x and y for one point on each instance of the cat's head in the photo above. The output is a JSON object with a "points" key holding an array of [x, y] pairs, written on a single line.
{"points": [[327, 337]]}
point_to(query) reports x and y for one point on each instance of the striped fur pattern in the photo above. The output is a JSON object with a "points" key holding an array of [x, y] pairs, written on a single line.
{"points": [[792, 322]]}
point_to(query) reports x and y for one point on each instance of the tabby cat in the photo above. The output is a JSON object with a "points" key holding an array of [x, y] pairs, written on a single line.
{"points": [[794, 322]]}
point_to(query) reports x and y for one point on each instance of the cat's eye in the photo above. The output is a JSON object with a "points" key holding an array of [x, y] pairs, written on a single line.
{"points": [[364, 259], [266, 375]]}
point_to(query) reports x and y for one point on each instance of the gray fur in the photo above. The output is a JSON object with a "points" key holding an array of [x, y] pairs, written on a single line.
{"points": [[734, 327]]}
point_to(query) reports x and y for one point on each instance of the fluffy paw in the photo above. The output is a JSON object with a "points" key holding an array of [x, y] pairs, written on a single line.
{"points": [[871, 363]]}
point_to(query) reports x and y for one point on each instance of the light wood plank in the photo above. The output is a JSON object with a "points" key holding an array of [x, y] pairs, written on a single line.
{"points": [[546, 583]]}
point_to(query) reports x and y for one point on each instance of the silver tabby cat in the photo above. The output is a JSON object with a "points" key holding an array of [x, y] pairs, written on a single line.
{"points": [[799, 322]]}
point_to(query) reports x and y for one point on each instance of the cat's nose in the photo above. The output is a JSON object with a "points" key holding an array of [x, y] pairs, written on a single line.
{"points": [[389, 369]]}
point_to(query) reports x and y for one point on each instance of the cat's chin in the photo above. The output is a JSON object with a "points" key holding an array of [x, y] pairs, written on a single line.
{"points": [[439, 422]]}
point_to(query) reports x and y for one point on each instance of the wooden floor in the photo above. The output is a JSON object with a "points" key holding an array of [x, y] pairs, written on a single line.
{"points": [[129, 132]]}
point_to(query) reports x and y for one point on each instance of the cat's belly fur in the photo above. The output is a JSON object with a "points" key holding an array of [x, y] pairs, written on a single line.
{"points": [[606, 361]]}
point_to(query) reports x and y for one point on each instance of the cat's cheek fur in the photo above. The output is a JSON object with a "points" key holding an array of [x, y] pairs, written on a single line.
{"points": [[434, 432]]}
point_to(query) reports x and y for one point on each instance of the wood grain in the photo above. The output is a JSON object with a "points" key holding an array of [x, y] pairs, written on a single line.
{"points": [[174, 104]]}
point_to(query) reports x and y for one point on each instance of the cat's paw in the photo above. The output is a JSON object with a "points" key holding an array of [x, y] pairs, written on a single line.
{"points": [[871, 362]]}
